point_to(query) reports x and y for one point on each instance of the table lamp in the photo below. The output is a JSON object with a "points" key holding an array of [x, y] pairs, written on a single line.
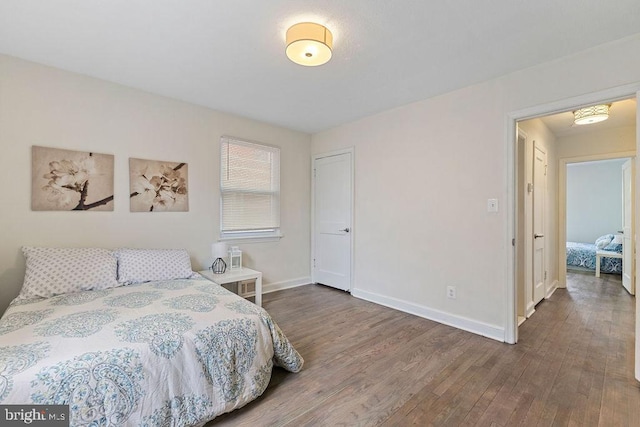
{"points": [[219, 251]]}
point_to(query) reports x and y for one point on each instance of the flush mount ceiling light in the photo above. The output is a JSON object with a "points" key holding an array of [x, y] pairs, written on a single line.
{"points": [[309, 44], [588, 115]]}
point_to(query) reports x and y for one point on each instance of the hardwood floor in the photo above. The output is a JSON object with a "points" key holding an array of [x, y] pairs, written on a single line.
{"points": [[368, 365]]}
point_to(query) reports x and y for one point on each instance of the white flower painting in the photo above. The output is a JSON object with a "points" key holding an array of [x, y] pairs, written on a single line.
{"points": [[157, 186], [66, 180]]}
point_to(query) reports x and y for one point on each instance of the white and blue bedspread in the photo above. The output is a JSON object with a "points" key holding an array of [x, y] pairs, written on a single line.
{"points": [[166, 353], [584, 255]]}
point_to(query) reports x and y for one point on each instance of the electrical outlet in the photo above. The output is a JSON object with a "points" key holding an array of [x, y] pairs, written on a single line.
{"points": [[451, 292]]}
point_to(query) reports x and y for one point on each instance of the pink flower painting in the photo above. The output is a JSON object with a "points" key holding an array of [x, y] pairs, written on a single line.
{"points": [[157, 186]]}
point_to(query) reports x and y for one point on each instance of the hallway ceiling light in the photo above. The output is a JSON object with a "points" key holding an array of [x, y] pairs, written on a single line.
{"points": [[309, 44], [594, 114]]}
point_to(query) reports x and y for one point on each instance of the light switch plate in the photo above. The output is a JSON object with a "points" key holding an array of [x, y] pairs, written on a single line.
{"points": [[492, 205]]}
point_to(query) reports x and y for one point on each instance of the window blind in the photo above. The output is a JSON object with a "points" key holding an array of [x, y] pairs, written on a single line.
{"points": [[249, 188]]}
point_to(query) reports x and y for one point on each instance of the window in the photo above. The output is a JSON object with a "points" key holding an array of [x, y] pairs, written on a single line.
{"points": [[249, 190]]}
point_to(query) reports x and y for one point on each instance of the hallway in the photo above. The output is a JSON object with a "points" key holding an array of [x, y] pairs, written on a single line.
{"points": [[583, 340]]}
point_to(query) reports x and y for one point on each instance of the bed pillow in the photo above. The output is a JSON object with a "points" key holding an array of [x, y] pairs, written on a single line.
{"points": [[603, 241], [55, 271], [145, 265]]}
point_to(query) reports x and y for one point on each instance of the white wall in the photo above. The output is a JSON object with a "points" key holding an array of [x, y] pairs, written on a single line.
{"points": [[594, 199], [616, 140], [448, 154], [54, 108]]}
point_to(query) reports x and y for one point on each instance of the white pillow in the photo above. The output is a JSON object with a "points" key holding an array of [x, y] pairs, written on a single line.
{"points": [[55, 271], [145, 265], [603, 241], [617, 239]]}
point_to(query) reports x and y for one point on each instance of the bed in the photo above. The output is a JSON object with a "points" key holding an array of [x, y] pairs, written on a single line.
{"points": [[176, 351], [583, 255]]}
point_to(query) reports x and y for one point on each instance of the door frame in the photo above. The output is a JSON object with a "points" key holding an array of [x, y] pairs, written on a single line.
{"points": [[628, 231], [314, 158], [562, 202], [510, 141], [524, 230]]}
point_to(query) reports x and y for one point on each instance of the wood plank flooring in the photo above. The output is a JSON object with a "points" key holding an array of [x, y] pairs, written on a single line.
{"points": [[368, 365]]}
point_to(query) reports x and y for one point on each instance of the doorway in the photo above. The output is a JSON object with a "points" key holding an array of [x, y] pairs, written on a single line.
{"points": [[608, 170], [558, 251]]}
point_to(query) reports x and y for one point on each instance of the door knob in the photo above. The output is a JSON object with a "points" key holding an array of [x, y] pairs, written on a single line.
{"points": [[346, 230], [535, 236]]}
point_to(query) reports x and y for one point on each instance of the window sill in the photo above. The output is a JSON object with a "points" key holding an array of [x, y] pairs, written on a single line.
{"points": [[252, 239]]}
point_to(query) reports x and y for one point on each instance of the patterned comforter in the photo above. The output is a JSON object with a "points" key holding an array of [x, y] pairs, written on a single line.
{"points": [[584, 255], [162, 353]]}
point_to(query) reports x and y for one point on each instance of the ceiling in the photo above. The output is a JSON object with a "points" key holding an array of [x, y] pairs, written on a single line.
{"points": [[228, 55]]}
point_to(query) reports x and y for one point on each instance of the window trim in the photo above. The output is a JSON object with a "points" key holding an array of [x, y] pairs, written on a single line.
{"points": [[250, 236]]}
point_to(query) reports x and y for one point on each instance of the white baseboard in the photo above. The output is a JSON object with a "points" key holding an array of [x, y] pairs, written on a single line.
{"points": [[531, 308], [287, 284], [552, 289], [460, 322]]}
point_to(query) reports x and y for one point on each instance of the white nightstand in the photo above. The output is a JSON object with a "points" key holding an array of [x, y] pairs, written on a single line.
{"points": [[608, 254], [237, 275]]}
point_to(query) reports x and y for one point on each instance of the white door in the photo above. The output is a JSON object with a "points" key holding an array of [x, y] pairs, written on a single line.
{"points": [[539, 196], [333, 194], [628, 247]]}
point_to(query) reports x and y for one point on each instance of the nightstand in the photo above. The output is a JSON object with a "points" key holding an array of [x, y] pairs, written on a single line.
{"points": [[608, 254], [237, 275]]}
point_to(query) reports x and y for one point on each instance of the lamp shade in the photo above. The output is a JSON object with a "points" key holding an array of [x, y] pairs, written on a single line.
{"points": [[309, 44], [594, 114], [219, 250]]}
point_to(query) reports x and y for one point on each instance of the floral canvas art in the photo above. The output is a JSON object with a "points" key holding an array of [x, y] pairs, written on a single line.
{"points": [[158, 186], [67, 180]]}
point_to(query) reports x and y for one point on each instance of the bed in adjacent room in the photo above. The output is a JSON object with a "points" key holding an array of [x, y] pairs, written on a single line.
{"points": [[168, 351], [583, 255]]}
